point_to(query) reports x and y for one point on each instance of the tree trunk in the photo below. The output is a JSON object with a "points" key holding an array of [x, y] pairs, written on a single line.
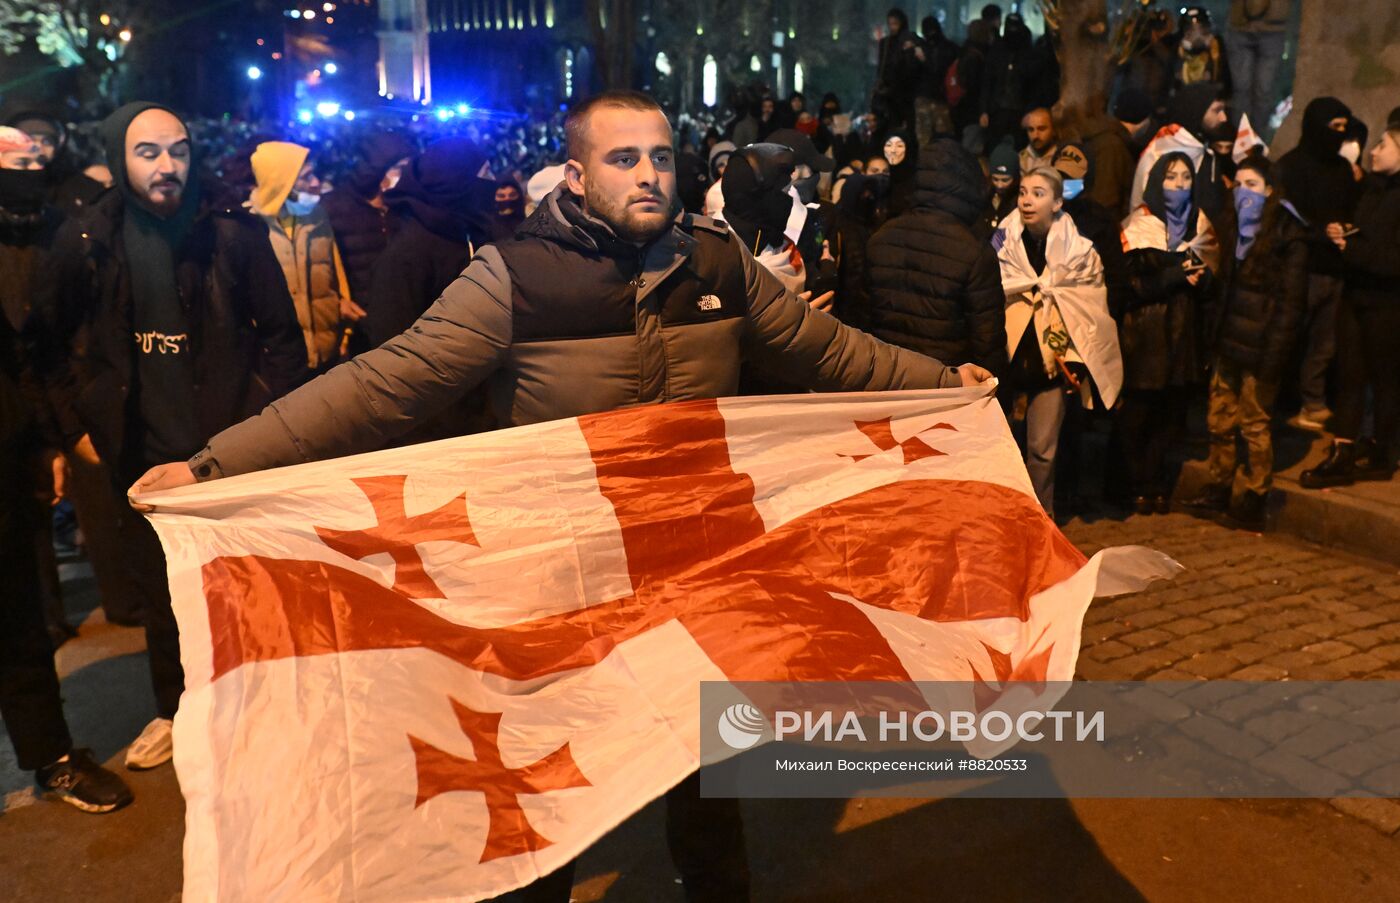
{"points": [[613, 24], [1085, 66]]}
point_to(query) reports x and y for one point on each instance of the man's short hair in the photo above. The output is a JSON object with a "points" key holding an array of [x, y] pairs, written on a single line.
{"points": [[1051, 175], [991, 11], [576, 123]]}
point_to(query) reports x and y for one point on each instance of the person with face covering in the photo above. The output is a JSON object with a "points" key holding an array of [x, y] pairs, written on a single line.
{"points": [[1075, 162], [1193, 114], [1006, 82], [172, 322], [1368, 321], [933, 281], [72, 187], [862, 209], [1170, 251], [441, 212], [1250, 332], [1320, 185], [605, 298], [510, 209], [286, 194], [30, 703], [1059, 334], [358, 214], [1005, 178]]}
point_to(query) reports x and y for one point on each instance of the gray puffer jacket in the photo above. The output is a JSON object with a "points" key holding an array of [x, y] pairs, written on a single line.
{"points": [[566, 319]]}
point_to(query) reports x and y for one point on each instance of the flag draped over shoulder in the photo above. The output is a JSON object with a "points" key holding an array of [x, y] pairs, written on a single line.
{"points": [[439, 672]]}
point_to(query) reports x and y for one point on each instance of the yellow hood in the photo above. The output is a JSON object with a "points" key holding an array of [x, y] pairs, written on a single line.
{"points": [[276, 165]]}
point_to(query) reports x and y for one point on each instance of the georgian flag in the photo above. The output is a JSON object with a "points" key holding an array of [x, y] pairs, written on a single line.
{"points": [[439, 672]]}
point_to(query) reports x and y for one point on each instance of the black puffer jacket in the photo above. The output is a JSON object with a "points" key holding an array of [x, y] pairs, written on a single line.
{"points": [[361, 228], [1373, 253], [1256, 318], [933, 285]]}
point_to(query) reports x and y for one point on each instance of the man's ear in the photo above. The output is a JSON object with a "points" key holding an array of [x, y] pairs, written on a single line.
{"points": [[573, 177]]}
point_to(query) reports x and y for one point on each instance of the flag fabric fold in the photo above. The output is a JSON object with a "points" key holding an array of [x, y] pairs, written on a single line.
{"points": [[439, 672]]}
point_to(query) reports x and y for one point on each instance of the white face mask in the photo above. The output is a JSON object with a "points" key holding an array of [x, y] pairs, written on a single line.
{"points": [[1351, 151], [894, 151]]}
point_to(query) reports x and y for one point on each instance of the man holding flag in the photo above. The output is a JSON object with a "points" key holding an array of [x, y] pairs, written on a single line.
{"points": [[604, 299]]}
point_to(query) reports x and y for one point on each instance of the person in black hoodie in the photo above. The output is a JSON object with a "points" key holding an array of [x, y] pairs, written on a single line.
{"points": [[1006, 82], [863, 208], [1320, 185], [357, 211], [172, 321], [934, 285], [441, 214], [897, 72], [510, 209], [30, 703], [1368, 321], [71, 187], [1251, 330]]}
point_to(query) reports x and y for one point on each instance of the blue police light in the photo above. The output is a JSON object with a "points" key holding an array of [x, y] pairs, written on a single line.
{"points": [[443, 114], [331, 68], [304, 117], [349, 115], [254, 73], [328, 108], [463, 109]]}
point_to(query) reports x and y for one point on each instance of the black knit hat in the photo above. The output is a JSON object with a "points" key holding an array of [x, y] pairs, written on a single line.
{"points": [[1132, 105]]}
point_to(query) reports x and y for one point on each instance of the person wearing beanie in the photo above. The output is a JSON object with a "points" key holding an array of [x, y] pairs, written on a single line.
{"points": [[1005, 178], [1134, 112], [72, 186], [356, 210], [174, 321], [287, 195], [30, 703], [1368, 320], [1320, 185]]}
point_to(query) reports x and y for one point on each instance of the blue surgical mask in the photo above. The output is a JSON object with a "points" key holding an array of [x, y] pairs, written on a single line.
{"points": [[302, 203], [1073, 188]]}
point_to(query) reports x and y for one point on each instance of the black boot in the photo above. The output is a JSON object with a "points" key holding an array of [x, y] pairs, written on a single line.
{"points": [[1373, 461], [1212, 499], [1338, 470], [1246, 513]]}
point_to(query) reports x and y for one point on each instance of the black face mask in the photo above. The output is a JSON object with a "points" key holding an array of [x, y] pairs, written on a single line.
{"points": [[23, 190]]}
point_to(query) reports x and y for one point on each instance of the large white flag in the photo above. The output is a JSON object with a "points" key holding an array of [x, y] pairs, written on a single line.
{"points": [[439, 672]]}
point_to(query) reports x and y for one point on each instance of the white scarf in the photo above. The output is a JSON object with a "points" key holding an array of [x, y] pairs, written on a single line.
{"points": [[1143, 229], [1070, 291]]}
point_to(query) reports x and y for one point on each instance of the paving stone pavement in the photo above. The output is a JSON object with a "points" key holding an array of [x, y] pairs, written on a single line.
{"points": [[1256, 607]]}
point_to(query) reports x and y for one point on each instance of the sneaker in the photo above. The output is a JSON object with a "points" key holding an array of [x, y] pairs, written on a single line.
{"points": [[1339, 468], [1314, 419], [154, 746], [79, 781]]}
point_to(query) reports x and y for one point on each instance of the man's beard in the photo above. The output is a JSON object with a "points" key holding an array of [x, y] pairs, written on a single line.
{"points": [[620, 218]]}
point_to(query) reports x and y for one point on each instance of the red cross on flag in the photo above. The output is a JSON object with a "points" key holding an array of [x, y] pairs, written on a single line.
{"points": [[439, 672]]}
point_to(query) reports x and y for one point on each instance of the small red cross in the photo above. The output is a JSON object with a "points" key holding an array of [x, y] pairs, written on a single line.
{"points": [[882, 434], [508, 831], [398, 534]]}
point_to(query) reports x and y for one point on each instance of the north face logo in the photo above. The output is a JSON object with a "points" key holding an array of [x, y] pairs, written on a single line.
{"points": [[709, 302]]}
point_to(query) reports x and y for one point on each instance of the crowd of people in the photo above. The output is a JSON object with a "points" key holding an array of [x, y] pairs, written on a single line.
{"points": [[166, 280]]}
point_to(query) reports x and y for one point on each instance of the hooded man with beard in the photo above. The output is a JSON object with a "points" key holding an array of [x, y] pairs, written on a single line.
{"points": [[605, 298], [172, 322], [1320, 185], [441, 213], [1192, 116], [30, 703]]}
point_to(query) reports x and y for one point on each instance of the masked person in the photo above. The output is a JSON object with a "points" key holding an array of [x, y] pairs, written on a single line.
{"points": [[1059, 334], [510, 209], [1252, 329], [566, 320], [71, 185], [1006, 82], [1194, 113], [1170, 251], [1368, 321], [174, 322], [356, 208], [1321, 187], [287, 196], [30, 703], [1005, 180], [863, 208]]}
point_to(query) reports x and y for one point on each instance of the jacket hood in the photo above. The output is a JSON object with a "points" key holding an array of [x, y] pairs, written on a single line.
{"points": [[446, 190], [1189, 106], [113, 131], [721, 149], [1317, 139], [561, 219], [950, 179], [276, 165], [378, 153], [1153, 194]]}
